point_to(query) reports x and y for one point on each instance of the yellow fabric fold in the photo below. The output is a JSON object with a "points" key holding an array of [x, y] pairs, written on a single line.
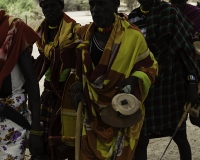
{"points": [[64, 38]]}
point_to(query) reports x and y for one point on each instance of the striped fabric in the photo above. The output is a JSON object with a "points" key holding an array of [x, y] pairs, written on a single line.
{"points": [[123, 56], [54, 59], [168, 37], [59, 56], [137, 18]]}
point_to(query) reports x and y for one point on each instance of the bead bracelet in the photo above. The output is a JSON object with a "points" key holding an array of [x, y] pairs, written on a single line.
{"points": [[36, 133]]}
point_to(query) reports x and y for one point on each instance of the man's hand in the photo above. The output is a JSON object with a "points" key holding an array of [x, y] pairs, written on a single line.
{"points": [[76, 94], [192, 93], [127, 84], [196, 36], [35, 145]]}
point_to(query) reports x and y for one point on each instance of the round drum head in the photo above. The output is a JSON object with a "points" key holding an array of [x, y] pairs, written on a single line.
{"points": [[126, 104], [115, 119]]}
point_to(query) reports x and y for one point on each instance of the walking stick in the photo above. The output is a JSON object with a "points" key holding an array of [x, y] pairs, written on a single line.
{"points": [[186, 108], [78, 131]]}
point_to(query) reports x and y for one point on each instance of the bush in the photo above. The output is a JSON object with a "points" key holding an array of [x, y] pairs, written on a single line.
{"points": [[74, 6], [3, 5], [18, 8], [27, 10]]}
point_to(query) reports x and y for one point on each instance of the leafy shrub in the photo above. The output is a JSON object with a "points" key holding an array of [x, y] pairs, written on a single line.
{"points": [[27, 10]]}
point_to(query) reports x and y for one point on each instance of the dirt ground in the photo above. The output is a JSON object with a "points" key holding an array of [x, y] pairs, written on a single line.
{"points": [[157, 146]]}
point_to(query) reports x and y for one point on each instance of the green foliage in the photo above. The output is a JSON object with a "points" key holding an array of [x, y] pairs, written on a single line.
{"points": [[131, 4], [3, 5], [19, 8], [76, 5]]}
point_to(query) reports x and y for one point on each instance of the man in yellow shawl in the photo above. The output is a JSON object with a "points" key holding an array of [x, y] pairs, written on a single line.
{"points": [[112, 54], [56, 46]]}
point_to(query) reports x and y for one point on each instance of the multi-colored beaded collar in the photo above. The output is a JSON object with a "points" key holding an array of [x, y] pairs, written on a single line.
{"points": [[105, 30]]}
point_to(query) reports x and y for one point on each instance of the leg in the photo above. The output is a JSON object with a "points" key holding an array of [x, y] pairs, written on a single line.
{"points": [[44, 156], [183, 145], [181, 140], [48, 102], [195, 121], [141, 149]]}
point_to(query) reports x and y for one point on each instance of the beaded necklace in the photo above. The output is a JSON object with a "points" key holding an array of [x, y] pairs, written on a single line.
{"points": [[50, 27], [105, 30], [144, 12]]}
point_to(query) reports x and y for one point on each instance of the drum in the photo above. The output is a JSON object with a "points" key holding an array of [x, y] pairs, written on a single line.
{"points": [[70, 127], [124, 112], [69, 115]]}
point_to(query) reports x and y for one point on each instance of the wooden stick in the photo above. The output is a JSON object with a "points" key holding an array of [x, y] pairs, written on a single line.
{"points": [[186, 108], [78, 131]]}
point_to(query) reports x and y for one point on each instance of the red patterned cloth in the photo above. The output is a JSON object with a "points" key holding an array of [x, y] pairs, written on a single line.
{"points": [[15, 37]]}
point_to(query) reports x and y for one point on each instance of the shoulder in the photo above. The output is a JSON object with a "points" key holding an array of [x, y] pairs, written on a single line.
{"points": [[168, 8], [81, 31], [167, 11], [133, 13], [135, 16], [190, 8], [15, 21], [133, 30], [161, 7], [67, 18], [19, 26]]}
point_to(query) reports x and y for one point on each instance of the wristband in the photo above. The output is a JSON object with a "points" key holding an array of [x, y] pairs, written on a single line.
{"points": [[36, 133], [191, 78]]}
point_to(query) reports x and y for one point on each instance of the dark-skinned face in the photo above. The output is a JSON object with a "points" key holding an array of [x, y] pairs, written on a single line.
{"points": [[52, 11], [180, 4], [146, 4], [102, 12]]}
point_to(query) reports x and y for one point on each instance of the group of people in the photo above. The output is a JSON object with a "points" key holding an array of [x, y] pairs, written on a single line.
{"points": [[148, 54]]}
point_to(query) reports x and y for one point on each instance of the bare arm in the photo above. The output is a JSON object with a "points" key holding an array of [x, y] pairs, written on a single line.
{"points": [[32, 87]]}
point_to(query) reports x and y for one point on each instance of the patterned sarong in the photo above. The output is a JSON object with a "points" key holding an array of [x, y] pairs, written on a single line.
{"points": [[13, 136]]}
